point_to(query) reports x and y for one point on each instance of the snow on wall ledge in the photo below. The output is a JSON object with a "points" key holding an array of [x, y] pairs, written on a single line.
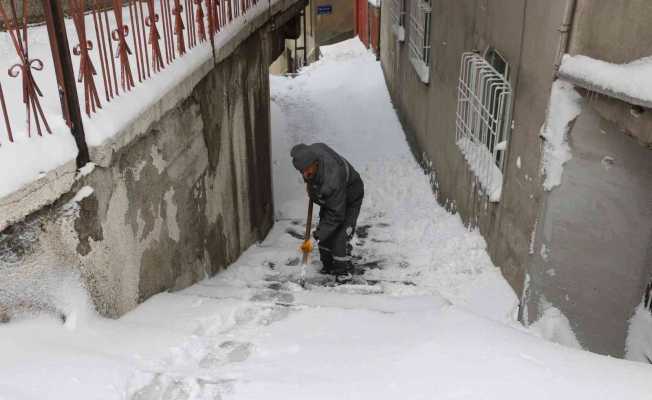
{"points": [[36, 171], [565, 105], [631, 82]]}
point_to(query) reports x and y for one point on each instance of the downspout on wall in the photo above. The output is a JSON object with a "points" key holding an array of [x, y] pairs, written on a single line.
{"points": [[565, 31], [380, 18]]}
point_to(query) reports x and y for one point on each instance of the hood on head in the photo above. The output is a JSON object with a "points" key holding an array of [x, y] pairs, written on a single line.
{"points": [[302, 156]]}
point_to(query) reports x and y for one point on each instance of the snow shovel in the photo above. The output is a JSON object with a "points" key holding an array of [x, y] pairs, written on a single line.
{"points": [[306, 237]]}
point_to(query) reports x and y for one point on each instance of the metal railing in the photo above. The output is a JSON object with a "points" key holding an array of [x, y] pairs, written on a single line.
{"points": [[116, 48], [24, 68], [483, 118]]}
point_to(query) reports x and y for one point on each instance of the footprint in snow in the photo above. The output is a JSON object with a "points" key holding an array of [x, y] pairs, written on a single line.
{"points": [[227, 352], [167, 387]]}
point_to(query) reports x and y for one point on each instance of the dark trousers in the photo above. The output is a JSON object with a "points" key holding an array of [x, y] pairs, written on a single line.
{"points": [[333, 251]]}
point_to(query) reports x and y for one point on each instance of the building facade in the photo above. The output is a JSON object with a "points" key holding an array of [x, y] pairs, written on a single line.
{"points": [[472, 81], [321, 23]]}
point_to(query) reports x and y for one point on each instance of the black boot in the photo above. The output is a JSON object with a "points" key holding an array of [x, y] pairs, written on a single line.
{"points": [[326, 262], [343, 271]]}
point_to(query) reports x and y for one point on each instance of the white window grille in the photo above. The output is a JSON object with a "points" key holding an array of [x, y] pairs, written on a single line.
{"points": [[398, 19], [419, 37], [483, 121]]}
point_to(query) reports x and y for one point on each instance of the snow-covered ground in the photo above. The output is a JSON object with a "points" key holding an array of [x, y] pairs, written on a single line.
{"points": [[438, 323]]}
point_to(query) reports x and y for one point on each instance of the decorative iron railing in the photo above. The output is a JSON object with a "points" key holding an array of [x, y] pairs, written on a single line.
{"points": [[116, 45]]}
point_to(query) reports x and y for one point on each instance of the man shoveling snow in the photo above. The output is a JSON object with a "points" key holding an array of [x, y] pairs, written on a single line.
{"points": [[337, 188]]}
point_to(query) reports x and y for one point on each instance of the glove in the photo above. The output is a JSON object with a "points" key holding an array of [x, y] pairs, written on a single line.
{"points": [[315, 234], [349, 233], [307, 246]]}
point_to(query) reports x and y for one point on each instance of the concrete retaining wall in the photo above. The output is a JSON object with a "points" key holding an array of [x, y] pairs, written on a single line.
{"points": [[175, 198]]}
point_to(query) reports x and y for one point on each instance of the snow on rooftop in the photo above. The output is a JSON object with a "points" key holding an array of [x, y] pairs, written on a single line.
{"points": [[631, 81]]}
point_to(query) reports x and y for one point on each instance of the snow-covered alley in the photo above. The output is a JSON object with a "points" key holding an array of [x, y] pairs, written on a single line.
{"points": [[436, 321]]}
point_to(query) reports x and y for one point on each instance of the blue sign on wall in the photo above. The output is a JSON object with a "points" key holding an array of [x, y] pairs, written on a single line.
{"points": [[324, 9]]}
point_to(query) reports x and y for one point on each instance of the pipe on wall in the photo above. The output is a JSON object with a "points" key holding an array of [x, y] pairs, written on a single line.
{"points": [[565, 31]]}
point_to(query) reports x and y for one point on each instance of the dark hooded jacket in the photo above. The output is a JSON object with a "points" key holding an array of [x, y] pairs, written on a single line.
{"points": [[335, 185]]}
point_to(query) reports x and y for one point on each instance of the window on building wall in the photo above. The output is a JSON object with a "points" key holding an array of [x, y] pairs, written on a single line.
{"points": [[497, 61], [500, 64], [398, 19], [419, 37], [484, 117]]}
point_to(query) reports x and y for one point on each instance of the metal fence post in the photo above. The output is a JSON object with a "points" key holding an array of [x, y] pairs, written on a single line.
{"points": [[65, 76]]}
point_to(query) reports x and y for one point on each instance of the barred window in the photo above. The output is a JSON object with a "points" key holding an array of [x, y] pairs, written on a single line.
{"points": [[398, 19], [419, 37], [483, 120]]}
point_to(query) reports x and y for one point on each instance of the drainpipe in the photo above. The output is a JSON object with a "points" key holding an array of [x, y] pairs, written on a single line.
{"points": [[565, 31], [380, 17]]}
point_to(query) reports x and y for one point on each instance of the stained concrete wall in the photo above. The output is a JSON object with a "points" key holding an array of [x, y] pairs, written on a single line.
{"points": [[527, 35], [593, 246], [593, 243], [595, 34], [589, 274], [614, 31], [175, 198]]}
